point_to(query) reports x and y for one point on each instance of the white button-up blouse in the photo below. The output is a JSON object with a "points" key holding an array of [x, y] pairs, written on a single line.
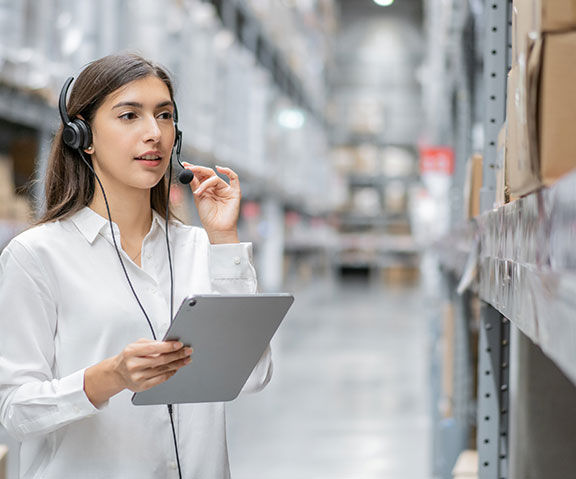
{"points": [[65, 305]]}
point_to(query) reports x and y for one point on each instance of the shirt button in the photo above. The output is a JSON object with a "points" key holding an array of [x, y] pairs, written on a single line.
{"points": [[172, 465], [153, 290], [237, 260], [148, 255]]}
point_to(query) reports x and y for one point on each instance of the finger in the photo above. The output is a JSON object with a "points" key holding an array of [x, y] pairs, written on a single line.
{"points": [[160, 360], [202, 172], [232, 176], [168, 358], [164, 368], [213, 182], [194, 183], [180, 363], [154, 348], [150, 383]]}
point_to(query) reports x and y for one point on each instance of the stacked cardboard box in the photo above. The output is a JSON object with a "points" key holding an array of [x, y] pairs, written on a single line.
{"points": [[3, 455], [472, 187], [12, 207], [541, 109], [6, 187], [466, 466]]}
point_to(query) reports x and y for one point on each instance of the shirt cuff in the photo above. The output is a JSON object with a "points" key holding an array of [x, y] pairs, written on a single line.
{"points": [[75, 404], [231, 268], [231, 261]]}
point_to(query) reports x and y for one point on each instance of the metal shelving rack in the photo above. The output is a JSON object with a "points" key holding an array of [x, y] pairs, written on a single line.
{"points": [[526, 280], [493, 349]]}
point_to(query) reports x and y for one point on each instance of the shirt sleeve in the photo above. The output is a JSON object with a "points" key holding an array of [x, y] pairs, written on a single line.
{"points": [[232, 271], [32, 400]]}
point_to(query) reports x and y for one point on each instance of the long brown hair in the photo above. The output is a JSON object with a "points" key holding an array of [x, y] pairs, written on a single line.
{"points": [[69, 183]]}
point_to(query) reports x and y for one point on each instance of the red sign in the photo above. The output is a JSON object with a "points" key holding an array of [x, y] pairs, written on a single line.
{"points": [[438, 159]]}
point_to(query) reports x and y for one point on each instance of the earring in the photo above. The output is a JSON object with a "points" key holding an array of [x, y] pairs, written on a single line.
{"points": [[90, 149]]}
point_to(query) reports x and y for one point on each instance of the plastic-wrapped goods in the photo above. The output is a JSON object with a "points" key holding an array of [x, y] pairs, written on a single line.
{"points": [[527, 262]]}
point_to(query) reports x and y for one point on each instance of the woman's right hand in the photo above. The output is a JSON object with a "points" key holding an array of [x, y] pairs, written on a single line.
{"points": [[140, 366]]}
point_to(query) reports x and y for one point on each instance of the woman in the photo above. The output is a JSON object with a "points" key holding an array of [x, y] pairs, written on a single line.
{"points": [[78, 324]]}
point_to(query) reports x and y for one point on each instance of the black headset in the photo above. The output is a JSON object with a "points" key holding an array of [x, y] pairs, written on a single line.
{"points": [[77, 133]]}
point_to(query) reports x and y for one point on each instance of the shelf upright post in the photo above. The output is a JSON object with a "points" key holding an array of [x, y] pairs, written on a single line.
{"points": [[272, 246], [493, 394], [494, 347], [496, 61]]}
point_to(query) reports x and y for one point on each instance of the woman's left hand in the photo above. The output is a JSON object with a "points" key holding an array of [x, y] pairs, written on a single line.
{"points": [[218, 202]]}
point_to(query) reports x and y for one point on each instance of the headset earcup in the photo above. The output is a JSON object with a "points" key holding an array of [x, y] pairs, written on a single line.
{"points": [[85, 133], [70, 135], [77, 134]]}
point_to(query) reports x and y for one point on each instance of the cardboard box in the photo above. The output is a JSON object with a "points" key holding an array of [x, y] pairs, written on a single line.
{"points": [[540, 115], [21, 210], [6, 188], [6, 175], [557, 106], [3, 455], [473, 186], [521, 166], [531, 18], [466, 466], [523, 27], [6, 205], [555, 15]]}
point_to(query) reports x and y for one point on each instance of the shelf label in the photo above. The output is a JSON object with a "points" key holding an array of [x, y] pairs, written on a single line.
{"points": [[438, 159]]}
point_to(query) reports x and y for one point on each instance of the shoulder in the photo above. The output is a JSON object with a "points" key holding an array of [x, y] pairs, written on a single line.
{"points": [[32, 244], [37, 237], [187, 233]]}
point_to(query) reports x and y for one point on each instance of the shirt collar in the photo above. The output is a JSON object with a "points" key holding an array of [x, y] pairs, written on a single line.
{"points": [[159, 220], [90, 223]]}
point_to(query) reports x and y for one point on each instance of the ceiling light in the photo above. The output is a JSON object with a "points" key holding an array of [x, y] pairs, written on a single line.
{"points": [[384, 3], [291, 118]]}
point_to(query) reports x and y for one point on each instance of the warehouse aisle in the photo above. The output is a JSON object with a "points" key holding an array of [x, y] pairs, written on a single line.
{"points": [[349, 397]]}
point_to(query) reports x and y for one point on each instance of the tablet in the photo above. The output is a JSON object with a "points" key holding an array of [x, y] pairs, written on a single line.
{"points": [[229, 334]]}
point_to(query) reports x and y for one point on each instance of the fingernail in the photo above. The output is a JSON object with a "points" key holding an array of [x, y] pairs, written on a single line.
{"points": [[189, 351], [178, 345], [197, 191]]}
